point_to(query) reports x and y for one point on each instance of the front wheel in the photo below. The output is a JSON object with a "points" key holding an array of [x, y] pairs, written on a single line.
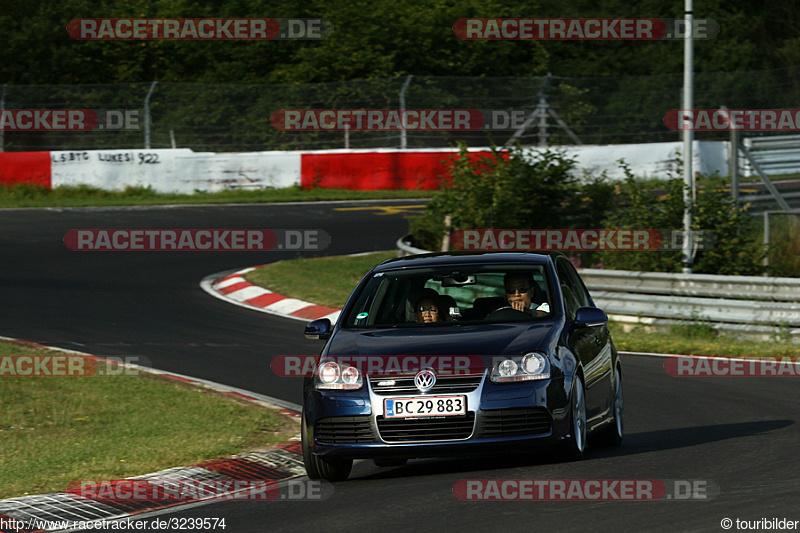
{"points": [[317, 467], [574, 447]]}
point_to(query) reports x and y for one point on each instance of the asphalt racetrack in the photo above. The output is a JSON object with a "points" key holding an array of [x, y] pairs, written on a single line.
{"points": [[735, 439]]}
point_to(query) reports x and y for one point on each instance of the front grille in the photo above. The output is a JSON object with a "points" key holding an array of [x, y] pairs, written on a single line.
{"points": [[428, 429], [344, 430], [514, 422], [444, 385]]}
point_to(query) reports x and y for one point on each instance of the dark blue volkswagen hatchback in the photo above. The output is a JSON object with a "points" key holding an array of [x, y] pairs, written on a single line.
{"points": [[442, 354]]}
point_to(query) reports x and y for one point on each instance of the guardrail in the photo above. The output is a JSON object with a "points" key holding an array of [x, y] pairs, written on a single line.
{"points": [[749, 305], [779, 154], [704, 285], [404, 248]]}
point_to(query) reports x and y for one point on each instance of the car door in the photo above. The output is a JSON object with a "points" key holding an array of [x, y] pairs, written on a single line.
{"points": [[589, 343]]}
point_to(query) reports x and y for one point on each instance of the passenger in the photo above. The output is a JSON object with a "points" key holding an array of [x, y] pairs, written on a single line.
{"points": [[519, 292], [426, 307]]}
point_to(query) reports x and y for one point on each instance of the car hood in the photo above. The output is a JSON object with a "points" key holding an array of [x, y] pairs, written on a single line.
{"points": [[479, 340]]}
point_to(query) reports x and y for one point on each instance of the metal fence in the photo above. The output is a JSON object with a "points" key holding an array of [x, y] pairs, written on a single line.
{"points": [[774, 154], [215, 117]]}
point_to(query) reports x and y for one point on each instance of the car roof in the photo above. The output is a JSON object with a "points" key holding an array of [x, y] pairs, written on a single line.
{"points": [[444, 259]]}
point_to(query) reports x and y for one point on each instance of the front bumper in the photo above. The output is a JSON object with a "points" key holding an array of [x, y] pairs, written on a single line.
{"points": [[512, 417]]}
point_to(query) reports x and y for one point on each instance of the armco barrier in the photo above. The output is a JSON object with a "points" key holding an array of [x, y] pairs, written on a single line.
{"points": [[748, 305], [707, 285], [698, 309]]}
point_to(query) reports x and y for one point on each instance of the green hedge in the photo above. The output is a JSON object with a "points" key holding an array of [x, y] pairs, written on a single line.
{"points": [[517, 190]]}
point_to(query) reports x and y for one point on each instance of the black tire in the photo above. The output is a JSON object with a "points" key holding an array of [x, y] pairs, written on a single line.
{"points": [[317, 467], [612, 435], [386, 463], [574, 447]]}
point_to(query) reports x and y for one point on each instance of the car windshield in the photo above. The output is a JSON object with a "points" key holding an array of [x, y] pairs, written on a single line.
{"points": [[439, 297]]}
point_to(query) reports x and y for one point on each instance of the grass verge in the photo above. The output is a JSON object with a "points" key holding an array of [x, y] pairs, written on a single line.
{"points": [[56, 430], [329, 281], [324, 280], [685, 339], [84, 196]]}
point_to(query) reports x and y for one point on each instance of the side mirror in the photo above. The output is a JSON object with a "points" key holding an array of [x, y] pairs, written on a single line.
{"points": [[587, 317], [318, 330]]}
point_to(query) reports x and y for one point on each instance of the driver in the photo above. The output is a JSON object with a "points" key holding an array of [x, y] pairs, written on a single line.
{"points": [[519, 292]]}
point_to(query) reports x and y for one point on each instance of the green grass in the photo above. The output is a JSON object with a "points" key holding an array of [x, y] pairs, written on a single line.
{"points": [[55, 430], [84, 196], [696, 339], [325, 280], [330, 280]]}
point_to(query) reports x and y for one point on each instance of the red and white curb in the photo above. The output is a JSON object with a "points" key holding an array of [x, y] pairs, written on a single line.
{"points": [[284, 461], [235, 289], [55, 511]]}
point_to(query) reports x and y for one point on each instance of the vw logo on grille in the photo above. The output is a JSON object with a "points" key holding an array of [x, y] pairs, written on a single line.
{"points": [[425, 380]]}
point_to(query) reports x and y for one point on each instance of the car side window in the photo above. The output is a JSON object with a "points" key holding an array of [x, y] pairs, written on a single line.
{"points": [[572, 294], [577, 286]]}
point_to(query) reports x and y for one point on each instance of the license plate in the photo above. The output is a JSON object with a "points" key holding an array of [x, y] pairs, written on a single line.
{"points": [[425, 406]]}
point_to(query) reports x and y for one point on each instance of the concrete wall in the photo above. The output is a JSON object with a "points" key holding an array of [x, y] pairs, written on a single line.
{"points": [[185, 171]]}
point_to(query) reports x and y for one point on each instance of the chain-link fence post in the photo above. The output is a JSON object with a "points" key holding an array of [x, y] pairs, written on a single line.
{"points": [[403, 133], [147, 116]]}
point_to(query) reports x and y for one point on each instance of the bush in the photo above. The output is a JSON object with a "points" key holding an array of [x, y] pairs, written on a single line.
{"points": [[511, 190], [784, 246], [732, 251], [518, 190], [639, 208]]}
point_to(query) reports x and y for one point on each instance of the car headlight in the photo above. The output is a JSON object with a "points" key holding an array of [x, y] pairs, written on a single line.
{"points": [[328, 372], [332, 375], [350, 375], [531, 366]]}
